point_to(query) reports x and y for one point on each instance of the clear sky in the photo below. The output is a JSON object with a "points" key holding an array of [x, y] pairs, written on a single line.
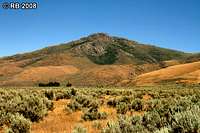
{"points": [[171, 24]]}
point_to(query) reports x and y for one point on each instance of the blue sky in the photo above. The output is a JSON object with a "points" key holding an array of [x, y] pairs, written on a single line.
{"points": [[171, 24]]}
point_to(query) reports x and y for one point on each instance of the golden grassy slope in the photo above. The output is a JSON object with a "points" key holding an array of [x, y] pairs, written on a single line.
{"points": [[42, 74], [180, 73]]}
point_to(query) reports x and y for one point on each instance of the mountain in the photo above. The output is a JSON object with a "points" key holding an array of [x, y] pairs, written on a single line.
{"points": [[96, 60]]}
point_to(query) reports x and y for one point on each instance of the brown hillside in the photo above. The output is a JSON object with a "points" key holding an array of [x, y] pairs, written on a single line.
{"points": [[180, 73]]}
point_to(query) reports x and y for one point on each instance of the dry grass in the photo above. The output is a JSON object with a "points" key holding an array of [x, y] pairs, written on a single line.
{"points": [[59, 121], [40, 73], [169, 73], [171, 63]]}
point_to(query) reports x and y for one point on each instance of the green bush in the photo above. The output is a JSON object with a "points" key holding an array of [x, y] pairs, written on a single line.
{"points": [[137, 104], [79, 129], [152, 121], [122, 108], [187, 121], [74, 106], [32, 105], [93, 114], [62, 94], [49, 94], [124, 125], [112, 102], [4, 118], [19, 124], [163, 130], [82, 101], [111, 127]]}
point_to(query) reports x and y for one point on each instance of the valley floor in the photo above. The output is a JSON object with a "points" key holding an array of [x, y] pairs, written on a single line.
{"points": [[101, 110]]}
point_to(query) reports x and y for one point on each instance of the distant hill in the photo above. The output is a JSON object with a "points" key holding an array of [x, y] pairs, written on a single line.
{"points": [[184, 73], [98, 59]]}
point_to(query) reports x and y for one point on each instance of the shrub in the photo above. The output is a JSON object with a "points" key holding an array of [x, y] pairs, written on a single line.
{"points": [[124, 125], [112, 102], [74, 106], [187, 121], [31, 105], [79, 129], [93, 114], [48, 103], [49, 94], [111, 127], [4, 118], [136, 120], [154, 104], [87, 101], [19, 124], [97, 125], [163, 130], [152, 121], [122, 108], [64, 94], [137, 104], [73, 92], [68, 84]]}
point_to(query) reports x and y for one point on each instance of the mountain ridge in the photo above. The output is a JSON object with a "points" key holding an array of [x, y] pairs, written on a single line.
{"points": [[92, 42], [96, 59]]}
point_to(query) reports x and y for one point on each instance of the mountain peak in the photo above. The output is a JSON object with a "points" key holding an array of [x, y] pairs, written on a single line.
{"points": [[99, 37], [99, 34]]}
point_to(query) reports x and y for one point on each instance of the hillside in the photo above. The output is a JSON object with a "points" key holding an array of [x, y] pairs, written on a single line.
{"points": [[184, 73], [98, 59]]}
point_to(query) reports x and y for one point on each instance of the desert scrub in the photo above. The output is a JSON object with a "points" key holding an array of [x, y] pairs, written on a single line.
{"points": [[112, 102], [122, 108], [18, 124], [62, 94], [152, 121], [80, 102], [73, 106], [4, 118], [187, 121], [79, 129], [124, 125], [49, 94], [32, 105], [164, 130], [137, 104], [111, 127], [97, 125], [93, 114], [153, 104]]}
